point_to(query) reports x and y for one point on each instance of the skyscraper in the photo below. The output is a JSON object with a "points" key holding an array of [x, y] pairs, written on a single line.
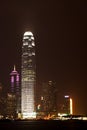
{"points": [[67, 106], [28, 76], [14, 95]]}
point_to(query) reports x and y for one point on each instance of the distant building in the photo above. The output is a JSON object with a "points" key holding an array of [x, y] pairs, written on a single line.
{"points": [[66, 107], [11, 106], [28, 76], [48, 101], [66, 104], [2, 102]]}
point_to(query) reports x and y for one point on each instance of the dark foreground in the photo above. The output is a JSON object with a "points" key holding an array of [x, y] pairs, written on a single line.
{"points": [[43, 125]]}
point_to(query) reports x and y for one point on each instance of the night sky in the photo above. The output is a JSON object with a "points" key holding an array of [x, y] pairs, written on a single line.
{"points": [[60, 31]]}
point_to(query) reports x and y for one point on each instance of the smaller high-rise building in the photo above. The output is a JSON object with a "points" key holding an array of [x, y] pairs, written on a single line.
{"points": [[67, 104], [66, 107], [2, 102], [48, 99], [14, 95], [11, 106]]}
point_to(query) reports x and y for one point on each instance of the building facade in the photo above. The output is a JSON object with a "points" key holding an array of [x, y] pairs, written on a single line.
{"points": [[28, 76]]}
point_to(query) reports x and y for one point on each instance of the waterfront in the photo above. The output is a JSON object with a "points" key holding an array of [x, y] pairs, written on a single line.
{"points": [[43, 124]]}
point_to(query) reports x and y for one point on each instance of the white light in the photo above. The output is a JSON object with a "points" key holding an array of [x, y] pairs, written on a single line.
{"points": [[66, 96], [42, 98], [25, 37], [33, 44], [62, 114], [25, 43], [28, 33], [33, 53], [29, 115], [32, 38]]}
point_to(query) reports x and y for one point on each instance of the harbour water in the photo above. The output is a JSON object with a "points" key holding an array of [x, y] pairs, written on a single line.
{"points": [[43, 124]]}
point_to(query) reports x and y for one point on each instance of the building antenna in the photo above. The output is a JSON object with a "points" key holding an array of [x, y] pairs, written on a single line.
{"points": [[14, 68]]}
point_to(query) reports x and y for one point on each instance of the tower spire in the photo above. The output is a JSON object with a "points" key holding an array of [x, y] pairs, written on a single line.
{"points": [[14, 68]]}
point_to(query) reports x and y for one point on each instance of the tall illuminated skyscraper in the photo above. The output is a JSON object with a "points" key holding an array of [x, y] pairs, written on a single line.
{"points": [[28, 76]]}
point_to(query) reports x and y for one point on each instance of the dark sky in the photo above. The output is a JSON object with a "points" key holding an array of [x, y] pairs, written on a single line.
{"points": [[60, 31]]}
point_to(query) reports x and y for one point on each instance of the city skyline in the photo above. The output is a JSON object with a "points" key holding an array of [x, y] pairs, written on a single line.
{"points": [[60, 34]]}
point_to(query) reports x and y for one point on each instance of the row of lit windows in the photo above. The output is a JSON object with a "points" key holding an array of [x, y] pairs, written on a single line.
{"points": [[29, 54], [28, 38], [28, 79], [29, 45]]}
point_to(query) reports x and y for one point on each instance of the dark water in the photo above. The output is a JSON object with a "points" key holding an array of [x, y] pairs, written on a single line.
{"points": [[43, 125]]}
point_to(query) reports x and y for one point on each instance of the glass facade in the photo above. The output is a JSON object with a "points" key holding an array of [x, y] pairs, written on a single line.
{"points": [[28, 76]]}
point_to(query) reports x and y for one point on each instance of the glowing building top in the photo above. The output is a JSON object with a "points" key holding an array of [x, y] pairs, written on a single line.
{"points": [[28, 33]]}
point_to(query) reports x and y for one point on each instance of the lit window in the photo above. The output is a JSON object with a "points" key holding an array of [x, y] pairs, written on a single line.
{"points": [[33, 44], [33, 53]]}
